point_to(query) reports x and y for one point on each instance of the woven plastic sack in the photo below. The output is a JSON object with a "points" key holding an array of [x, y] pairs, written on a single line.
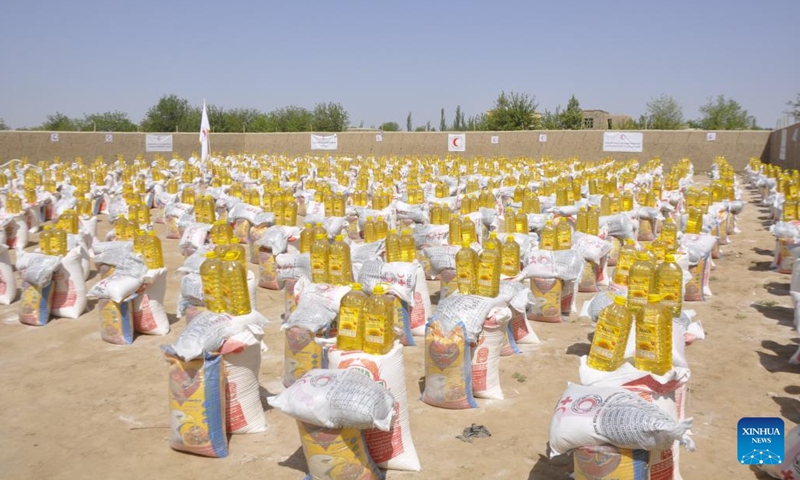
{"points": [[448, 368]]}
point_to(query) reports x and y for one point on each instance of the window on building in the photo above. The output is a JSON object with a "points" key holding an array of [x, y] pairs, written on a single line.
{"points": [[609, 124], [588, 123]]}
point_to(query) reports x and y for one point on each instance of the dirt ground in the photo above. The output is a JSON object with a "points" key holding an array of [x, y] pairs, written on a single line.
{"points": [[75, 407]]}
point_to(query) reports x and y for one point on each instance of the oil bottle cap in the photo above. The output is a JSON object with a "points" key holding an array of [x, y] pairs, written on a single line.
{"points": [[211, 254], [356, 286], [231, 255], [339, 238], [379, 289], [642, 256], [493, 235], [393, 231], [321, 236], [406, 231], [669, 257], [489, 246], [653, 298], [620, 300]]}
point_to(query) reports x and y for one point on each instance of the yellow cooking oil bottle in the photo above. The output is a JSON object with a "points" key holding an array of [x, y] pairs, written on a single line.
{"points": [[582, 222], [510, 257], [454, 232], [593, 221], [306, 238], [563, 235], [45, 240], [234, 285], [320, 256], [340, 269], [640, 282], [498, 247], [211, 278], [351, 319], [153, 254], [548, 241], [290, 212], [408, 246], [610, 336], [669, 285], [694, 222], [379, 316], [489, 271], [467, 268], [653, 337], [521, 223], [369, 231], [468, 231], [58, 242], [627, 255], [381, 228], [393, 253]]}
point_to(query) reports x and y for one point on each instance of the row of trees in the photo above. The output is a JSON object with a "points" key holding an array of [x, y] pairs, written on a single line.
{"points": [[175, 114], [512, 111], [518, 111]]}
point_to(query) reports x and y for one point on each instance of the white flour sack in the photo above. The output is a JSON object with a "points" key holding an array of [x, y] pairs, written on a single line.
{"points": [[8, 282], [472, 310], [393, 450], [149, 314], [338, 399], [242, 356], [317, 307], [486, 356], [401, 277], [69, 287], [116, 288], [790, 468], [593, 416], [209, 330]]}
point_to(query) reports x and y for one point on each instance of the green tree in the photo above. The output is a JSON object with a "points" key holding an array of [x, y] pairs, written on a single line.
{"points": [[293, 119], [390, 127], [664, 113], [115, 121], [725, 114], [60, 122], [3, 125], [553, 120], [476, 123], [794, 108], [330, 117], [421, 128], [515, 111], [457, 120], [442, 122], [239, 120], [408, 122], [572, 118], [170, 114]]}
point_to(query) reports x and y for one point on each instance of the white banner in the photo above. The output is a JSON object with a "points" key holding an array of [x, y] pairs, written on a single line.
{"points": [[456, 142], [158, 143], [324, 142], [622, 142]]}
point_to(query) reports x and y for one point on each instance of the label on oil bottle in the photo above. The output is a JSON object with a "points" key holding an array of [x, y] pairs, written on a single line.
{"points": [[670, 291], [348, 321], [605, 340], [638, 288], [374, 328], [647, 337]]}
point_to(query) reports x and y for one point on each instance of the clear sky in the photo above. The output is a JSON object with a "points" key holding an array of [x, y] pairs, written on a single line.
{"points": [[381, 60]]}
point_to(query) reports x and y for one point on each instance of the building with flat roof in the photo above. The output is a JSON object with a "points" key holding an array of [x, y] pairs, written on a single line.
{"points": [[602, 120]]}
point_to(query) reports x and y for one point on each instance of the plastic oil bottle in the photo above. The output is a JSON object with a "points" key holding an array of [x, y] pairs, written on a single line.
{"points": [[582, 222], [379, 321], [369, 231], [340, 269], [467, 268], [627, 255], [153, 254], [393, 253], [521, 223], [510, 256], [45, 240], [653, 337], [351, 319], [548, 241], [234, 285], [640, 282], [306, 238], [381, 228], [669, 284], [320, 257], [593, 221], [290, 212], [468, 231], [498, 247], [489, 271], [563, 235], [139, 237], [694, 222], [669, 233], [211, 278], [408, 246], [610, 336], [454, 233], [436, 214]]}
